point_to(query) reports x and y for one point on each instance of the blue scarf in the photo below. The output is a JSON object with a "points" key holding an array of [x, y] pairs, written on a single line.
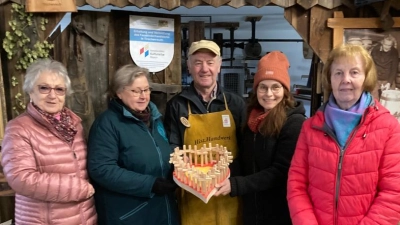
{"points": [[342, 122]]}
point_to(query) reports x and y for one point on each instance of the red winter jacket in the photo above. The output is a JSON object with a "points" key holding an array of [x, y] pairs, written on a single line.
{"points": [[48, 175], [363, 189]]}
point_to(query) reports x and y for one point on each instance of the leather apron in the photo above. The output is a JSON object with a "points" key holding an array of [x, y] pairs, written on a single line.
{"points": [[215, 128]]}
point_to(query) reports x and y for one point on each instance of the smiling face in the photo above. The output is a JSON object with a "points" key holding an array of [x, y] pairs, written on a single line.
{"points": [[269, 94], [129, 96], [204, 68], [347, 79], [51, 102]]}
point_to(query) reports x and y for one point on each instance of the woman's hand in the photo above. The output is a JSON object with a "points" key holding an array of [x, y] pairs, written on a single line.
{"points": [[223, 188]]}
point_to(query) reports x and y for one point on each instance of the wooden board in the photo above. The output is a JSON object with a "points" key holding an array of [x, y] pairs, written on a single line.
{"points": [[170, 4], [307, 4], [3, 111], [284, 3], [97, 3], [330, 4], [258, 3], [140, 3], [320, 34], [119, 3], [216, 3], [237, 3], [191, 3], [50, 6]]}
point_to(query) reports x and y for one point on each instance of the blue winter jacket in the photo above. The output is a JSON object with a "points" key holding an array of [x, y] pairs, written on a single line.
{"points": [[124, 159]]}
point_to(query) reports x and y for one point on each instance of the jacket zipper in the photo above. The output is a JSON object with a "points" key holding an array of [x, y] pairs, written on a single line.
{"points": [[254, 171], [162, 172], [341, 156]]}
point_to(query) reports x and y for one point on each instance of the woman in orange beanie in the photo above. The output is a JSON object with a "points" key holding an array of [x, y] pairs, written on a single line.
{"points": [[274, 120]]}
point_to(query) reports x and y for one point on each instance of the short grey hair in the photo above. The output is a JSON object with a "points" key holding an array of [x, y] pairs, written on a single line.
{"points": [[125, 76], [45, 65]]}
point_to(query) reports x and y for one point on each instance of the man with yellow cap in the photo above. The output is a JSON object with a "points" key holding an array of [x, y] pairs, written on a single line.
{"points": [[203, 114]]}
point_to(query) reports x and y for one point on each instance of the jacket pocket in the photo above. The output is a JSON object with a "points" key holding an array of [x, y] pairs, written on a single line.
{"points": [[133, 211]]}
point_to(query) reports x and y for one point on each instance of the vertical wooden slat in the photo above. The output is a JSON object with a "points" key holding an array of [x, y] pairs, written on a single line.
{"points": [[80, 2], [237, 3], [330, 4], [299, 18], [98, 3], [284, 3], [307, 4], [173, 73], [320, 34], [258, 3], [170, 4], [140, 3], [119, 3], [191, 3], [216, 3], [338, 32], [196, 31], [155, 3]]}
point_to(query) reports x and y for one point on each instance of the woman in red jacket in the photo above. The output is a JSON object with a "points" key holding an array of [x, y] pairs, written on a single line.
{"points": [[346, 166], [44, 154]]}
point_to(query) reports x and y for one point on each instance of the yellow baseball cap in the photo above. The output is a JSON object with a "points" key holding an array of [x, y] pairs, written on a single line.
{"points": [[204, 44]]}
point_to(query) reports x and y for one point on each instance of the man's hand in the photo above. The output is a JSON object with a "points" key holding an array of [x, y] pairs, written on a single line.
{"points": [[223, 188]]}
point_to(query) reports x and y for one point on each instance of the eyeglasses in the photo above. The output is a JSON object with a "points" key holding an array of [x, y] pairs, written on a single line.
{"points": [[139, 92], [264, 89], [44, 89]]}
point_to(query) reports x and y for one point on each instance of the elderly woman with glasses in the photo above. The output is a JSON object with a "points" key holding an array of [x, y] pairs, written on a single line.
{"points": [[44, 153], [274, 120], [129, 156]]}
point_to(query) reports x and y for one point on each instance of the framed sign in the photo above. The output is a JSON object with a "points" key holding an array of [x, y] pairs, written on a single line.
{"points": [[50, 6]]}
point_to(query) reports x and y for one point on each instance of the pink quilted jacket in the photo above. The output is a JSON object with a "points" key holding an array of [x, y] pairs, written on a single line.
{"points": [[363, 189], [48, 175]]}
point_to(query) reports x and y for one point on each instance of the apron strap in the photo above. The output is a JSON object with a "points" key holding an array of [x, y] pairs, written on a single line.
{"points": [[226, 104]]}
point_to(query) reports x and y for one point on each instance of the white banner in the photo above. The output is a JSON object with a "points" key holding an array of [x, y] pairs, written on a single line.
{"points": [[151, 41]]}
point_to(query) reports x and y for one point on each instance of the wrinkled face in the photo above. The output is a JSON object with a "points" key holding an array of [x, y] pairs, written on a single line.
{"points": [[387, 45], [204, 68], [137, 95], [347, 79], [269, 94], [47, 92]]}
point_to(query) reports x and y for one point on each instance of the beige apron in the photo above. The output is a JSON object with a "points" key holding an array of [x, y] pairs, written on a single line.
{"points": [[215, 128]]}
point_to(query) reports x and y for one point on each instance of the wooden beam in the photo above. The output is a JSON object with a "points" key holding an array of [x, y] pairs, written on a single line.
{"points": [[215, 3], [299, 18], [307, 4], [140, 3], [191, 3], [169, 4], [237, 3], [359, 22], [215, 25], [320, 34], [196, 31], [258, 3], [284, 3], [330, 4], [119, 3]]}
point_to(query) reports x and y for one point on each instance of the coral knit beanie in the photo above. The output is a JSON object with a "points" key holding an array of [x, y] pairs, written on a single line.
{"points": [[273, 66]]}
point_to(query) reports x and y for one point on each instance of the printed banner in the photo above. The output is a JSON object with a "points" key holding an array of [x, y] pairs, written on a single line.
{"points": [[151, 41]]}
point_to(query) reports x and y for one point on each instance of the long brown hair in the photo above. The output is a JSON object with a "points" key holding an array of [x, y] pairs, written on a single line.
{"points": [[273, 122]]}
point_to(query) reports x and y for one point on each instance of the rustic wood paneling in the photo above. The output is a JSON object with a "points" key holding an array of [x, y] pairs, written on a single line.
{"points": [[191, 3], [299, 18], [119, 3], [284, 3], [320, 34], [307, 4], [330, 4], [80, 2], [258, 3], [155, 3], [98, 3], [196, 31], [216, 3], [140, 3], [169, 4], [237, 3], [87, 64]]}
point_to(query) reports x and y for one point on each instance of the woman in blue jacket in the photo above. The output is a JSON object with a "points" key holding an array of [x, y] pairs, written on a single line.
{"points": [[128, 156]]}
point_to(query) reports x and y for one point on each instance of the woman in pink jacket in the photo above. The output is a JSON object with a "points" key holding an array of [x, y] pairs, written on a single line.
{"points": [[44, 154], [346, 166]]}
